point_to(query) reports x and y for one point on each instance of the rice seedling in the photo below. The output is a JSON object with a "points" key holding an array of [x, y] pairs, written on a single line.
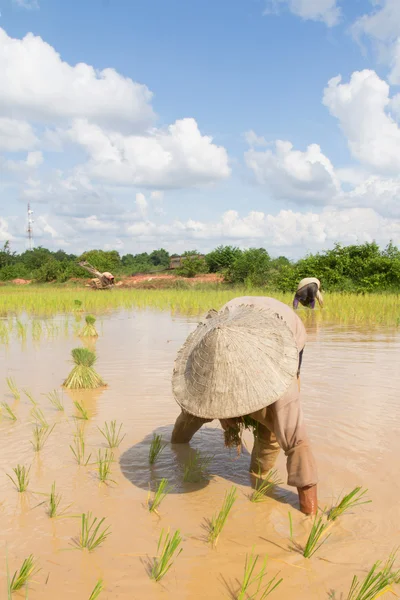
{"points": [[83, 375], [92, 534], [30, 397], [56, 400], [111, 434], [40, 436], [4, 333], [377, 581], [21, 480], [21, 330], [78, 448], [38, 415], [22, 577], [77, 305], [89, 330], [262, 588], [315, 539], [167, 551], [12, 386], [98, 588], [218, 520], [82, 412], [104, 461], [54, 503], [196, 467], [265, 485], [163, 489], [355, 498], [156, 447], [10, 414], [37, 330]]}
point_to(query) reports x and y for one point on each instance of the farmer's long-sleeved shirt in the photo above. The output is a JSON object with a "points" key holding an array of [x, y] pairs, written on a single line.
{"points": [[309, 280], [285, 417]]}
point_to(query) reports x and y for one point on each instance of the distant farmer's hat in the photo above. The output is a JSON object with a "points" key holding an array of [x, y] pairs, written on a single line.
{"points": [[236, 362]]}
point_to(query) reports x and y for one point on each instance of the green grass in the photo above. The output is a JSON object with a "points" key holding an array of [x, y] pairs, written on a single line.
{"points": [[40, 436], [355, 498], [22, 577], [98, 588], [83, 375], [10, 414], [38, 416], [92, 533], [265, 485], [256, 584], [56, 400], [21, 479], [163, 489], [82, 412], [111, 434], [168, 549], [196, 467], [78, 448], [377, 582], [218, 521], [156, 447], [12, 386], [104, 461]]}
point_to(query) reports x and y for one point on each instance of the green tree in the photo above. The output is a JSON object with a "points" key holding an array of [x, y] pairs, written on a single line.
{"points": [[251, 268], [103, 260], [222, 258], [192, 265]]}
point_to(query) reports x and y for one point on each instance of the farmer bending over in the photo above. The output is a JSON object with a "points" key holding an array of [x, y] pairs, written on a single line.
{"points": [[241, 366], [308, 290]]}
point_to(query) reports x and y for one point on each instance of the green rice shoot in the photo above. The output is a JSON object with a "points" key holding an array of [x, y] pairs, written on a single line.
{"points": [[156, 447], [38, 416], [56, 400], [89, 330], [98, 588], [265, 485], [196, 467], [163, 489], [78, 448], [317, 536], [21, 479], [55, 499], [257, 582], [219, 519], [22, 577], [355, 498], [40, 436], [83, 375], [30, 397], [82, 412], [111, 434], [377, 582], [92, 533], [168, 549], [104, 461], [12, 386], [10, 414]]}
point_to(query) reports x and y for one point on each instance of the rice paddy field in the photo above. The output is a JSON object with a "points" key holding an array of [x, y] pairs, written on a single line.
{"points": [[96, 503]]}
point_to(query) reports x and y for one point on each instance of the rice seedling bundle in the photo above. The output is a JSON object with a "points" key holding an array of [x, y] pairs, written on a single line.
{"points": [[261, 587], [9, 411], [12, 386], [167, 551], [89, 330], [77, 305], [156, 447], [196, 467], [159, 495], [111, 434], [83, 375], [355, 498], [40, 436], [92, 534], [22, 577], [219, 519], [377, 582], [21, 479], [265, 485]]}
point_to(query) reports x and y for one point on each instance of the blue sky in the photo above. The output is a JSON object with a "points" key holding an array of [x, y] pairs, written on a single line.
{"points": [[234, 134]]}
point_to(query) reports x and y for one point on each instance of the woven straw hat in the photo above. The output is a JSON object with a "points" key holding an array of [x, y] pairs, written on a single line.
{"points": [[235, 362]]}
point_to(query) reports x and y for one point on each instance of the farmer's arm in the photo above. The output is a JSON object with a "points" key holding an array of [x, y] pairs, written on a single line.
{"points": [[185, 427], [320, 299]]}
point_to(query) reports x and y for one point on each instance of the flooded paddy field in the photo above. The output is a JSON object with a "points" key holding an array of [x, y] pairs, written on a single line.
{"points": [[350, 387]]}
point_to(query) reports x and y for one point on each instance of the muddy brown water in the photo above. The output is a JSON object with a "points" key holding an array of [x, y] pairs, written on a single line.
{"points": [[350, 392]]}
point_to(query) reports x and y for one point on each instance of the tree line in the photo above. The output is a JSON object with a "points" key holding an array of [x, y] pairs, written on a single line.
{"points": [[356, 268]]}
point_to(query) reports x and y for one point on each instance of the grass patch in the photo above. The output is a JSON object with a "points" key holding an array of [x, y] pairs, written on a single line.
{"points": [[56, 400], [98, 588], [110, 433], [40, 436], [196, 467], [256, 581], [265, 485], [163, 489], [89, 330], [22, 577], [377, 582], [355, 498], [104, 461], [21, 479], [168, 549], [83, 375], [92, 533], [218, 521], [12, 386], [10, 414], [156, 447]]}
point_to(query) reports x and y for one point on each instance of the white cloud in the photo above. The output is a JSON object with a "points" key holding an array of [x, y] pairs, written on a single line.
{"points": [[141, 204], [304, 177], [52, 89], [178, 156], [361, 106], [16, 135], [27, 4], [5, 233], [253, 139], [326, 11]]}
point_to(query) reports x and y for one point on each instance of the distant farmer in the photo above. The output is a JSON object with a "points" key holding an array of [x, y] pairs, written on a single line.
{"points": [[308, 290], [102, 281], [242, 366]]}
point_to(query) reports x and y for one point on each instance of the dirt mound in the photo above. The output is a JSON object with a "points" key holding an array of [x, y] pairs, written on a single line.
{"points": [[21, 281], [156, 280]]}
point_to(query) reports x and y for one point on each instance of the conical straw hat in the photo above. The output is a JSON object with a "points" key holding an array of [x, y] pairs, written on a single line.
{"points": [[234, 363]]}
